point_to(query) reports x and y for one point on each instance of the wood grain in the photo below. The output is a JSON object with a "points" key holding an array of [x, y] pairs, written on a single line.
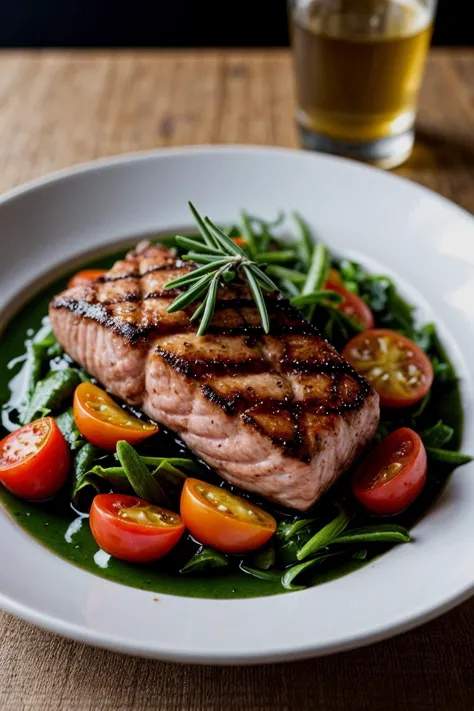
{"points": [[59, 108]]}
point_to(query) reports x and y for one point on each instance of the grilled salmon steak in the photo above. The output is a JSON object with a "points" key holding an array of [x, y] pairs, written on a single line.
{"points": [[282, 415]]}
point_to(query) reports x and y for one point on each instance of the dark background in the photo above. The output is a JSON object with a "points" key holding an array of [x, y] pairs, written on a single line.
{"points": [[176, 23]]}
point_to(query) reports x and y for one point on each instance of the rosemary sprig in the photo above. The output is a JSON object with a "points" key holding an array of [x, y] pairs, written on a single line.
{"points": [[222, 261]]}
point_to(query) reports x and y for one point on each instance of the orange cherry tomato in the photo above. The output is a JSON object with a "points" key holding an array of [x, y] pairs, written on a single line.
{"points": [[352, 306], [34, 460], [335, 278], [239, 241], [396, 367], [223, 520], [131, 529], [102, 422], [393, 475], [86, 277]]}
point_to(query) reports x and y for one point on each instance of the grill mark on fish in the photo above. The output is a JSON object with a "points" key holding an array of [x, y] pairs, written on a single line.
{"points": [[197, 368], [177, 264]]}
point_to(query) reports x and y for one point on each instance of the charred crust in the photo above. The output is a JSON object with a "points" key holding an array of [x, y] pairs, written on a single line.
{"points": [[136, 275], [202, 368]]}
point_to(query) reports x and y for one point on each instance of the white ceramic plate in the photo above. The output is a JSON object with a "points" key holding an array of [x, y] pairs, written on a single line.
{"points": [[425, 242]]}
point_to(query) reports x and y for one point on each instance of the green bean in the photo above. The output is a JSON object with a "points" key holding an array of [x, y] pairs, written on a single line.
{"points": [[318, 270], [457, 459], [141, 480], [284, 273], [382, 533], [317, 297], [291, 573], [248, 234], [325, 536], [317, 275], [82, 464], [305, 243], [66, 423], [51, 393], [275, 257], [273, 576]]}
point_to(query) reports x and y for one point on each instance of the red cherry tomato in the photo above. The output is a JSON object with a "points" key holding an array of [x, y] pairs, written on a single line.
{"points": [[104, 423], [393, 475], [223, 520], [352, 306], [86, 277], [396, 367], [131, 529], [34, 460]]}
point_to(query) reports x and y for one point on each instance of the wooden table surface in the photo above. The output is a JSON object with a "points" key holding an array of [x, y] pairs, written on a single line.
{"points": [[59, 108]]}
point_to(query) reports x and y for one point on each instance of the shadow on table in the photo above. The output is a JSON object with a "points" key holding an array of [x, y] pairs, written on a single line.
{"points": [[445, 151]]}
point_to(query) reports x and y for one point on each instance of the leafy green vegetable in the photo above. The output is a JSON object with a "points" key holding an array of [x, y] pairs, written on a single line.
{"points": [[437, 436], [69, 429], [456, 459], [264, 558], [421, 407], [270, 575], [114, 477], [443, 371], [51, 393], [168, 474], [165, 473], [360, 555], [178, 462], [287, 554], [291, 573], [286, 530], [205, 559], [324, 536], [141, 480], [82, 464]]}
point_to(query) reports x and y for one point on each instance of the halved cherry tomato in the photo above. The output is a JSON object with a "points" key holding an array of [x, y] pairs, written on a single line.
{"points": [[86, 277], [335, 278], [34, 460], [395, 366], [393, 475], [352, 306], [223, 520], [131, 529], [102, 422]]}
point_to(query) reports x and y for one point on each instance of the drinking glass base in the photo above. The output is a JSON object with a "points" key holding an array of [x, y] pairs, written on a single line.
{"points": [[384, 152]]}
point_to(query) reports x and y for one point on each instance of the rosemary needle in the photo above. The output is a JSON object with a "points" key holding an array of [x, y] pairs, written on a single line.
{"points": [[222, 261]]}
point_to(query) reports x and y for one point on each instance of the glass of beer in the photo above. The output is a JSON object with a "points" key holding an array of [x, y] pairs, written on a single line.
{"points": [[359, 65]]}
